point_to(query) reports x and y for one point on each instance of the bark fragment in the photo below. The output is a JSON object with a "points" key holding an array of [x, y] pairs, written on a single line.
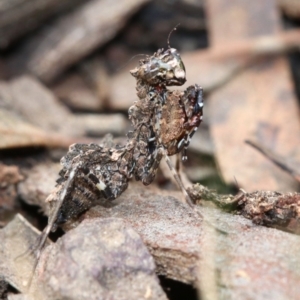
{"points": [[100, 259], [29, 13], [74, 36]]}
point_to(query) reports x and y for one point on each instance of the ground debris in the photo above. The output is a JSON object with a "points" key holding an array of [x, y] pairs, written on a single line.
{"points": [[27, 108], [15, 12], [72, 37], [102, 253], [271, 208], [16, 260], [200, 193], [36, 104], [100, 259], [9, 177], [17, 133], [72, 89], [24, 121], [175, 236], [170, 229], [178, 239], [38, 183], [237, 106]]}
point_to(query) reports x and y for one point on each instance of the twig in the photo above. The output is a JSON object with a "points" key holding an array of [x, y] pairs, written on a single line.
{"points": [[275, 158]]}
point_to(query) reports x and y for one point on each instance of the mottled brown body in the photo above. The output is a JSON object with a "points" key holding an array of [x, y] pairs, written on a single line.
{"points": [[172, 122], [172, 117], [163, 123], [100, 174], [180, 117]]}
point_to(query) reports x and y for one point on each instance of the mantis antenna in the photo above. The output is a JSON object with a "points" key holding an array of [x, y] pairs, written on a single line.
{"points": [[169, 36]]}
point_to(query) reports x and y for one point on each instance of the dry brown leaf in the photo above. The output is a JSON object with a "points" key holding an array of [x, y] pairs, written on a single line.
{"points": [[259, 103], [74, 36], [15, 132]]}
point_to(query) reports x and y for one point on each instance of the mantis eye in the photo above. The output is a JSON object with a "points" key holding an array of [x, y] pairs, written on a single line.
{"points": [[179, 73], [169, 75]]}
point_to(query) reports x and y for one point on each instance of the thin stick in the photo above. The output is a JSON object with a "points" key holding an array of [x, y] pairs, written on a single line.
{"points": [[275, 158]]}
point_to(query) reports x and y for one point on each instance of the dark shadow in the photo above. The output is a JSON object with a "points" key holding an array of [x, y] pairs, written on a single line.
{"points": [[176, 290]]}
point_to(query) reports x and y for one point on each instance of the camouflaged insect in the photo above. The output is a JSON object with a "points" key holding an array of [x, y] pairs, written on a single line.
{"points": [[174, 116], [95, 174], [163, 124]]}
